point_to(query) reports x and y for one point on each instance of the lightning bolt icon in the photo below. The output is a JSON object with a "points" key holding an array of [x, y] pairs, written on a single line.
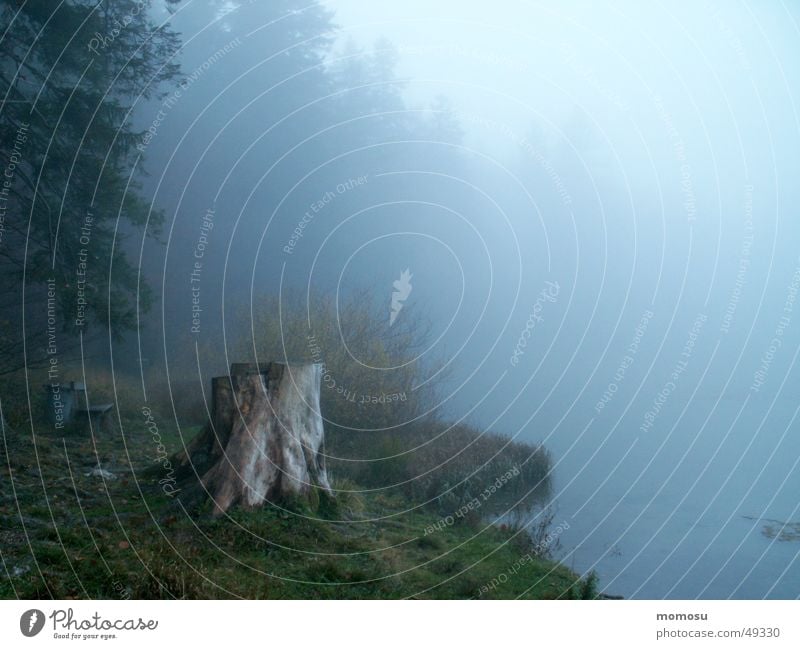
{"points": [[32, 621]]}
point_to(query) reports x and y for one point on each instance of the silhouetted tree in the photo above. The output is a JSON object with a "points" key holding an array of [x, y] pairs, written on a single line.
{"points": [[69, 74]]}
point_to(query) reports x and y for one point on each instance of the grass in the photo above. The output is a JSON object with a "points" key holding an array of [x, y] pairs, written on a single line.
{"points": [[65, 534]]}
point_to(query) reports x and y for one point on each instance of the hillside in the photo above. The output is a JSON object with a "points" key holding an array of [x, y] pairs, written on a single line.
{"points": [[66, 531]]}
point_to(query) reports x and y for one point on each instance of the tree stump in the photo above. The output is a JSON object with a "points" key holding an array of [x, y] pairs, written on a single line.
{"points": [[264, 442]]}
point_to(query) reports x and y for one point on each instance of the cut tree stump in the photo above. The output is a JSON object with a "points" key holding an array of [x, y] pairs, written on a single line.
{"points": [[264, 442]]}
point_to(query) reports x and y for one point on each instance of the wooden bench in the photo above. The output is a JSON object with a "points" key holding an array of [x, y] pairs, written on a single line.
{"points": [[94, 414], [67, 401]]}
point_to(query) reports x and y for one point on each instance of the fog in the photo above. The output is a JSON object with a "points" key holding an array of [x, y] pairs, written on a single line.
{"points": [[597, 207]]}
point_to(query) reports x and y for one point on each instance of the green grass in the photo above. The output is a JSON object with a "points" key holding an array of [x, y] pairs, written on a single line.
{"points": [[68, 535]]}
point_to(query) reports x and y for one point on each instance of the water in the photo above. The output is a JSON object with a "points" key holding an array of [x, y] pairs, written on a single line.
{"points": [[683, 515]]}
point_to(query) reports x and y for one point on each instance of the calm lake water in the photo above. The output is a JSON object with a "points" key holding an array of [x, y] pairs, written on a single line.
{"points": [[682, 511]]}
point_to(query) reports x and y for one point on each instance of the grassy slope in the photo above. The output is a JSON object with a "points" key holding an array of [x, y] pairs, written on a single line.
{"points": [[64, 534]]}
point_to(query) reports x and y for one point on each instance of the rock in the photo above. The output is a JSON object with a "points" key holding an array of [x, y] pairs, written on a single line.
{"points": [[18, 571], [99, 472]]}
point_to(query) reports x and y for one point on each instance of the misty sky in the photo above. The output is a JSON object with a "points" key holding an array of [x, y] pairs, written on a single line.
{"points": [[675, 124]]}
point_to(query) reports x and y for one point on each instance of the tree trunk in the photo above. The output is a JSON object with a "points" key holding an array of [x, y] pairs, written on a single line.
{"points": [[265, 438]]}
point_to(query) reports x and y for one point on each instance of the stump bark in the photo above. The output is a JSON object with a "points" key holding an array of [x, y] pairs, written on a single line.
{"points": [[264, 441]]}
